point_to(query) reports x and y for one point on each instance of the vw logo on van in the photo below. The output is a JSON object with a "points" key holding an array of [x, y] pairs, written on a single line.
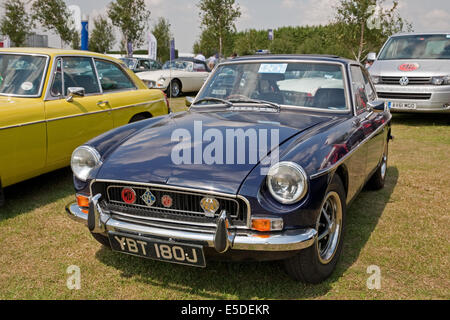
{"points": [[404, 81]]}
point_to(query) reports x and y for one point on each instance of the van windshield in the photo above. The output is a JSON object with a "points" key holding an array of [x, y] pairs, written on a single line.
{"points": [[417, 47]]}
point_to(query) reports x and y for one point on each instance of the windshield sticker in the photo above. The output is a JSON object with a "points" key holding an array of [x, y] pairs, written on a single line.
{"points": [[27, 86], [273, 68]]}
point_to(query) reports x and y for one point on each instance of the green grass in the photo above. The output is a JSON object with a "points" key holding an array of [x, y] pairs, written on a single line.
{"points": [[403, 229]]}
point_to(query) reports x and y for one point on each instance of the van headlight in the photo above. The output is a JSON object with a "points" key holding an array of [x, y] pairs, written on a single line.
{"points": [[287, 182], [440, 81], [84, 160]]}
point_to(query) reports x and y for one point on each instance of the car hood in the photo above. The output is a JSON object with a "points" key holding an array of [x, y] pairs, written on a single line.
{"points": [[426, 68], [148, 156]]}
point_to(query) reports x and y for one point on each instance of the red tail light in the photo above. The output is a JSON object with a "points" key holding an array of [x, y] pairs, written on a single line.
{"points": [[167, 102]]}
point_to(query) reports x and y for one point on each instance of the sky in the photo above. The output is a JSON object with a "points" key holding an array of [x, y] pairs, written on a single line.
{"points": [[183, 15]]}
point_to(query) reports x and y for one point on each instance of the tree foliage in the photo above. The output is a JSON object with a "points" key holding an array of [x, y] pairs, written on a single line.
{"points": [[102, 36], [363, 25], [131, 17], [54, 15], [16, 23], [218, 19], [161, 31]]}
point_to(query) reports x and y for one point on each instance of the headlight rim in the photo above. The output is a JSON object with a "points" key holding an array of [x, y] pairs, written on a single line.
{"points": [[94, 153], [303, 174]]}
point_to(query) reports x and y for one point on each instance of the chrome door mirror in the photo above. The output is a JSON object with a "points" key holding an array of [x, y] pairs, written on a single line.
{"points": [[73, 92], [189, 101], [377, 106]]}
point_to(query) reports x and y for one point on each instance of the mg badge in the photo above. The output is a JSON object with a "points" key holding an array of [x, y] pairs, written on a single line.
{"points": [[209, 206], [404, 81], [167, 201], [128, 195], [148, 198]]}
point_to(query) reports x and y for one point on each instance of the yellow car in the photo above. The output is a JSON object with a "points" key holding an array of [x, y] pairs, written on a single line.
{"points": [[52, 101]]}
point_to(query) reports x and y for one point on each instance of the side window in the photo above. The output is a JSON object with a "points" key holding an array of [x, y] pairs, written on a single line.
{"points": [[56, 89], [359, 89], [112, 77], [79, 72], [371, 93]]}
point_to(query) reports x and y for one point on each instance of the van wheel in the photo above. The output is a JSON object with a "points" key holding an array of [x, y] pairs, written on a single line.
{"points": [[318, 262]]}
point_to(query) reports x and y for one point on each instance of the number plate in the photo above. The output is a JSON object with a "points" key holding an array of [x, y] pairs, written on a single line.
{"points": [[400, 105], [158, 250]]}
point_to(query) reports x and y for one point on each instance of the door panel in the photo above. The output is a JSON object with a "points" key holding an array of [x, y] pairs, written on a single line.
{"points": [[71, 124]]}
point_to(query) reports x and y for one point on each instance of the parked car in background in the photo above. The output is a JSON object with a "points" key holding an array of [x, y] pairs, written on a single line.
{"points": [[178, 76], [412, 72], [317, 148], [52, 101], [141, 64]]}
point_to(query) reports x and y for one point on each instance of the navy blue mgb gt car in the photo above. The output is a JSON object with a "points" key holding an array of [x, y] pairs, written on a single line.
{"points": [[263, 166]]}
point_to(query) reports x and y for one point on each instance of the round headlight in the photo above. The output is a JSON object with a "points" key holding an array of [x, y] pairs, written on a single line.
{"points": [[84, 160], [287, 182]]}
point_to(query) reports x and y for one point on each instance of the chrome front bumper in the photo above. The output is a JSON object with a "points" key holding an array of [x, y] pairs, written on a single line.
{"points": [[222, 239]]}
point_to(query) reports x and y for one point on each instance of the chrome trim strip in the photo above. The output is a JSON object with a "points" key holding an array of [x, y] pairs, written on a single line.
{"points": [[207, 192], [41, 88], [81, 115], [337, 164]]}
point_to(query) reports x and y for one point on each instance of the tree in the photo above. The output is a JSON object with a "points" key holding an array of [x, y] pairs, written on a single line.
{"points": [[218, 17], [365, 24], [161, 31], [54, 15], [16, 23], [131, 17], [76, 39], [102, 37]]}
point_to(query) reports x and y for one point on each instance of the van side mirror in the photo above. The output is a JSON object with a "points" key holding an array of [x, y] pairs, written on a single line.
{"points": [[372, 56], [73, 92]]}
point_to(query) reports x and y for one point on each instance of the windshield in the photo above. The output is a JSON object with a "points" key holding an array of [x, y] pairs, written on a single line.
{"points": [[131, 63], [21, 75], [179, 65], [313, 85], [417, 47]]}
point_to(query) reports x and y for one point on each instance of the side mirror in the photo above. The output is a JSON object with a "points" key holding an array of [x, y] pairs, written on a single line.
{"points": [[189, 101], [73, 92], [372, 56], [377, 106]]}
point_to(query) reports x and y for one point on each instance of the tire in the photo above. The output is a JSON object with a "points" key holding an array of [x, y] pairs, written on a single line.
{"points": [[174, 89], [314, 264], [102, 239], [378, 179]]}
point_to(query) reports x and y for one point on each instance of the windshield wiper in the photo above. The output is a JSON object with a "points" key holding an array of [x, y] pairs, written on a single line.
{"points": [[223, 101], [256, 101]]}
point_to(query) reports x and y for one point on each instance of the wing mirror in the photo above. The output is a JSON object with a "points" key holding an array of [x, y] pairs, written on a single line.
{"points": [[372, 56], [377, 106], [188, 101], [73, 92]]}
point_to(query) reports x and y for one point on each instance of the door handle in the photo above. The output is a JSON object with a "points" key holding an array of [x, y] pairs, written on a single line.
{"points": [[100, 103]]}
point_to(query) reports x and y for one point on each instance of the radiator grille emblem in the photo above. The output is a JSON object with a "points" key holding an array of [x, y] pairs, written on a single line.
{"points": [[404, 81], [128, 195], [209, 206], [148, 198]]}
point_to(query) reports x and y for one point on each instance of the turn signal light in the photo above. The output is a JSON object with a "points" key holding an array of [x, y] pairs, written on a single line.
{"points": [[83, 203], [265, 225]]}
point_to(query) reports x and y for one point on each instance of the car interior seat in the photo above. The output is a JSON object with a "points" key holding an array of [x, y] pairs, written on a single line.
{"points": [[330, 98]]}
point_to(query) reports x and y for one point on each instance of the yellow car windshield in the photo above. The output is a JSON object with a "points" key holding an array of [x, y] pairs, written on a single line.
{"points": [[21, 75]]}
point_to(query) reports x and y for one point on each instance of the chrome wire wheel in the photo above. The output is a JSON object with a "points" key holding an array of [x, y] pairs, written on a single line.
{"points": [[329, 227], [175, 89]]}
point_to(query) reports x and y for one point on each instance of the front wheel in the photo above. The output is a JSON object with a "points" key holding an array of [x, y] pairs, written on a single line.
{"points": [[317, 263], [175, 89]]}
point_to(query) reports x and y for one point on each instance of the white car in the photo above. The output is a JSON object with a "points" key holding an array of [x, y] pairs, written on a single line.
{"points": [[177, 76]]}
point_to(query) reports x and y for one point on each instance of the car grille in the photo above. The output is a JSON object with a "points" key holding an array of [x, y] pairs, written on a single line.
{"points": [[185, 204], [404, 96], [412, 80]]}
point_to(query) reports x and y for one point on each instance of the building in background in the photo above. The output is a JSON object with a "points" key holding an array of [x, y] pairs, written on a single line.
{"points": [[33, 40]]}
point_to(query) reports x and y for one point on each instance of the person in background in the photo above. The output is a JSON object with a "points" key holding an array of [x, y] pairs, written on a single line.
{"points": [[212, 61], [368, 64]]}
